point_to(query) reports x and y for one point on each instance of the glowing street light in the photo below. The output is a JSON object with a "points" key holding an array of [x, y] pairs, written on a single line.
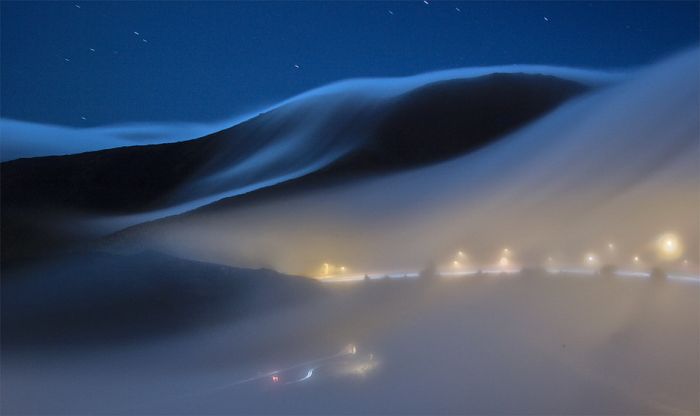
{"points": [[635, 259], [591, 259], [326, 268], [460, 254], [504, 262], [668, 246], [611, 246]]}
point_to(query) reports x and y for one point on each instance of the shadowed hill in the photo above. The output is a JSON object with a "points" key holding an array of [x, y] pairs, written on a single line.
{"points": [[102, 298], [448, 118], [429, 124], [327, 138]]}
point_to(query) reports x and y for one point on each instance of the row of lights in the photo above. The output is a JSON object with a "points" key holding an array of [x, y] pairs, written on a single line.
{"points": [[668, 247], [504, 261]]}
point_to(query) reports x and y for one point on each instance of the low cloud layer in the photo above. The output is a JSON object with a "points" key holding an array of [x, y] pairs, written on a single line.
{"points": [[27, 139], [617, 164]]}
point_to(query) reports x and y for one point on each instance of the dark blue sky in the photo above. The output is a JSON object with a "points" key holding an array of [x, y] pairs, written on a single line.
{"points": [[207, 61]]}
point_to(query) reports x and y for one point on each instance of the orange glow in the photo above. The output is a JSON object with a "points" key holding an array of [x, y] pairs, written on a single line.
{"points": [[669, 246], [591, 259]]}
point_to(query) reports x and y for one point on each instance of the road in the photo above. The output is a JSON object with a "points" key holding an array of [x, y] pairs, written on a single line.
{"points": [[681, 277]]}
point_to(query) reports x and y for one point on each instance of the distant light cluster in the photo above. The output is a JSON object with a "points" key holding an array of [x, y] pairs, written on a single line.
{"points": [[668, 247]]}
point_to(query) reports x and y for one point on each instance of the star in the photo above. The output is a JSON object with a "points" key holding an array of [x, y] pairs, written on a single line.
{"points": [[458, 9], [92, 50], [546, 19], [83, 118], [425, 1], [391, 12], [136, 33], [144, 40], [77, 6], [296, 66], [66, 59]]}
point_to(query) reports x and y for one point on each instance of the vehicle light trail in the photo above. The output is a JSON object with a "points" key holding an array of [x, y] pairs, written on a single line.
{"points": [[308, 375], [350, 350]]}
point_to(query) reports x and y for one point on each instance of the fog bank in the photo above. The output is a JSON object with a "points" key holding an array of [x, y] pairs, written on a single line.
{"points": [[620, 164]]}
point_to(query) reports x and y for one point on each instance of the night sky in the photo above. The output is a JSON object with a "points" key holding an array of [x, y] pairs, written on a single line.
{"points": [[94, 63]]}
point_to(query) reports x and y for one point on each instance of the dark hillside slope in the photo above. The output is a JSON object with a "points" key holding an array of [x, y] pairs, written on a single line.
{"points": [[431, 123], [103, 298], [331, 138], [449, 118], [428, 125]]}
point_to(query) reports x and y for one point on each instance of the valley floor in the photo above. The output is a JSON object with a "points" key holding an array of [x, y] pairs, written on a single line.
{"points": [[522, 343]]}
